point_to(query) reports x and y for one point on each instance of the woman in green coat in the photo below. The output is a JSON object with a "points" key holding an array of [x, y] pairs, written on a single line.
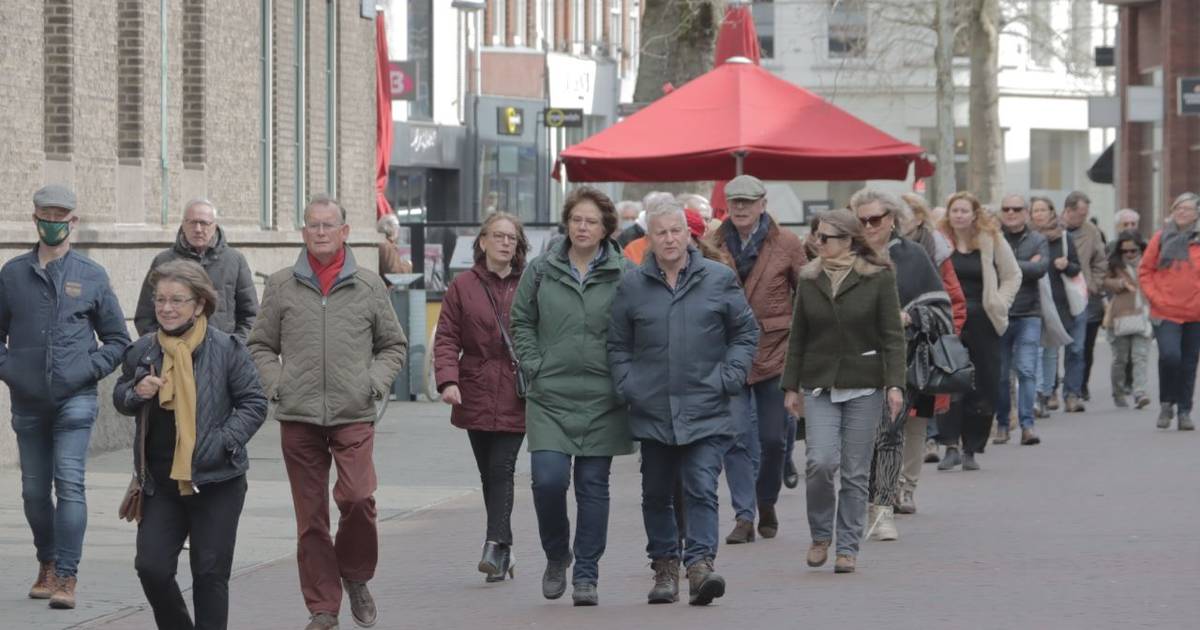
{"points": [[559, 328]]}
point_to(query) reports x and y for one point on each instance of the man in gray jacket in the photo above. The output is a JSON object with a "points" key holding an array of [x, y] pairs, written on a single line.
{"points": [[202, 240], [681, 341], [54, 303], [1021, 343], [341, 346]]}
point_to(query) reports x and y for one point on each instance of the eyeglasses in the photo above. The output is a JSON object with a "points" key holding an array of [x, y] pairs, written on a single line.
{"points": [[824, 238], [582, 221], [501, 237], [1013, 208], [874, 221], [322, 227], [197, 223], [175, 302], [1127, 251]]}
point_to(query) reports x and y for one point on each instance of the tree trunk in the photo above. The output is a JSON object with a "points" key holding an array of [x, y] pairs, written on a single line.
{"points": [[985, 178], [678, 43], [945, 177]]}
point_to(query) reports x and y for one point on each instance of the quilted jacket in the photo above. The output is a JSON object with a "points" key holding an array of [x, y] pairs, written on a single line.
{"points": [[326, 359]]}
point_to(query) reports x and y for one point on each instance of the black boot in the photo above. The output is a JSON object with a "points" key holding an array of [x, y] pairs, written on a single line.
{"points": [[507, 566], [489, 562]]}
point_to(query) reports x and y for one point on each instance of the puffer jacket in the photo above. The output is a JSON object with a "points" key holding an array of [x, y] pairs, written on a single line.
{"points": [[677, 355], [1174, 291], [230, 404], [770, 288], [49, 321], [226, 267], [340, 353]]}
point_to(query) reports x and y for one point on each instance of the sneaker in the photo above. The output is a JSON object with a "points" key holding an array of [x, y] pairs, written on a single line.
{"points": [[554, 580], [768, 522], [743, 532], [1120, 402], [908, 502], [63, 597], [322, 621], [1141, 401], [1039, 408], [585, 594], [931, 452], [1185, 421], [43, 586], [1001, 436], [844, 563], [666, 581], [1029, 438], [362, 605], [703, 584], [968, 461], [1052, 402], [818, 553], [951, 460], [1165, 416], [1074, 405], [882, 523]]}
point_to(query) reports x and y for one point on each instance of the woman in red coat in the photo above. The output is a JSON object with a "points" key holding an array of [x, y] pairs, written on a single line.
{"points": [[476, 374]]}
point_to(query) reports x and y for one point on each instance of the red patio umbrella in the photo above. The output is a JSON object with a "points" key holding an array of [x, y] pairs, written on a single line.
{"points": [[737, 38], [740, 118]]}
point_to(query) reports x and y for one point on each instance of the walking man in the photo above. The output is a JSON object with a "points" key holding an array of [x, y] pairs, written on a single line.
{"points": [[1089, 243], [54, 303], [1021, 342], [767, 261], [682, 325], [200, 239], [328, 319]]}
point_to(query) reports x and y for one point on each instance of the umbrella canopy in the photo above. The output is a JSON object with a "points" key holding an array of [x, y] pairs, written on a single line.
{"points": [[737, 37], [739, 112]]}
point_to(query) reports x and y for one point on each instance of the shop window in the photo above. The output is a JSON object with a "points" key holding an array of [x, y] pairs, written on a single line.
{"points": [[847, 28], [1054, 158]]}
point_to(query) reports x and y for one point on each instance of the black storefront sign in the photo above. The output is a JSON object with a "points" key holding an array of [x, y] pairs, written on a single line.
{"points": [[510, 121], [559, 117], [1189, 96]]}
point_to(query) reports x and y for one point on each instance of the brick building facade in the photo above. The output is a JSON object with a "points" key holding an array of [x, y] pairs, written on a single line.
{"points": [[87, 105]]}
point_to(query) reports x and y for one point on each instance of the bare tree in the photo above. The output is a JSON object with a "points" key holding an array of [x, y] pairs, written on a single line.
{"points": [[984, 173], [945, 177]]}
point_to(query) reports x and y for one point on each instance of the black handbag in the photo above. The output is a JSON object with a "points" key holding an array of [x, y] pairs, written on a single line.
{"points": [[940, 365], [522, 386]]}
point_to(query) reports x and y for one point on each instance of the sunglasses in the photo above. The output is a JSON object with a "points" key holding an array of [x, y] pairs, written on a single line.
{"points": [[825, 238], [1013, 208], [1130, 251], [874, 221]]}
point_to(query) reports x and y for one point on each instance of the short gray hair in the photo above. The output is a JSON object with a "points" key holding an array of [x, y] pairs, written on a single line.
{"points": [[1126, 214], [636, 206], [654, 198], [1184, 198], [388, 224], [890, 202], [199, 201], [697, 203], [666, 206], [324, 200]]}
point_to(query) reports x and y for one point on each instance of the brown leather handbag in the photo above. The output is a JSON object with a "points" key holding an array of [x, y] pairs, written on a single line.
{"points": [[131, 503]]}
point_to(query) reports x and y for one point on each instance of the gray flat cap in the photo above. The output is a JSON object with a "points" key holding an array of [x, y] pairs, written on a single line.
{"points": [[54, 196], [745, 187]]}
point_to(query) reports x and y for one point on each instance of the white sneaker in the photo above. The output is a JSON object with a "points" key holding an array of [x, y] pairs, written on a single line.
{"points": [[882, 523]]}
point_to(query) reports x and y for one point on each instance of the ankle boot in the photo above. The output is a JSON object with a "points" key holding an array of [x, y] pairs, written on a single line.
{"points": [[507, 566], [64, 593], [951, 459], [43, 587], [768, 522], [666, 581]]}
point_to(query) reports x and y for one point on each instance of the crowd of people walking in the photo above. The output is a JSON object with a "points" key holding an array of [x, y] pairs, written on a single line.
{"points": [[893, 334]]}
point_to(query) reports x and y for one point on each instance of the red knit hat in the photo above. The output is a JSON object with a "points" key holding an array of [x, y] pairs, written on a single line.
{"points": [[695, 222]]}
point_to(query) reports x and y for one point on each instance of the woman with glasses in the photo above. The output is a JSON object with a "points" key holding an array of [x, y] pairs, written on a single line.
{"points": [[573, 419], [1170, 277], [197, 397], [1063, 264], [1128, 320], [845, 356], [475, 372], [989, 275]]}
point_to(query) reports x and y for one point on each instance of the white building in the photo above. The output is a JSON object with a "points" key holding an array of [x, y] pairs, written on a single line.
{"points": [[864, 57]]}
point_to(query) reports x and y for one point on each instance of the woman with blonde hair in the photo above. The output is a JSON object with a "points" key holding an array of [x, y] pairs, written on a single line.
{"points": [[988, 272]]}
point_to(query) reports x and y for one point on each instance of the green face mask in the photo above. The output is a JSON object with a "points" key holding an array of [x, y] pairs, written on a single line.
{"points": [[53, 232]]}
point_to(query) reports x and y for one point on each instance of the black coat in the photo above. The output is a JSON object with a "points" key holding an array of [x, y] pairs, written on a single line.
{"points": [[230, 403]]}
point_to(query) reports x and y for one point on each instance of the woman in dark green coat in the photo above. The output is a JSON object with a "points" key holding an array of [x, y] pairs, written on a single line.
{"points": [[559, 327]]}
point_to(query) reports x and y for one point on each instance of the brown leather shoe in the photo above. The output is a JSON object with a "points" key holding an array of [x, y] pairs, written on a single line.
{"points": [[768, 522], [64, 593], [843, 564], [1029, 438], [362, 605], [43, 587], [743, 532], [818, 553]]}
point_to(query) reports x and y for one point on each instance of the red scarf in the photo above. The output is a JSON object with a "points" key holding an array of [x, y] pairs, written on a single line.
{"points": [[326, 274]]}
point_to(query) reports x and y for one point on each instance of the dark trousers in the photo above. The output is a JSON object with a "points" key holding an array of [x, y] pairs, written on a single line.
{"points": [[308, 452], [1178, 355], [697, 466], [496, 456], [970, 414], [210, 519], [1089, 351], [772, 439], [551, 472]]}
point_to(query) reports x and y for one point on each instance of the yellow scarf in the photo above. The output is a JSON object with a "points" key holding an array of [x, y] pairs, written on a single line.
{"points": [[178, 393], [837, 269]]}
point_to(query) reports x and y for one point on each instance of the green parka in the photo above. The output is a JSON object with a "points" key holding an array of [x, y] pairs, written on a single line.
{"points": [[559, 331]]}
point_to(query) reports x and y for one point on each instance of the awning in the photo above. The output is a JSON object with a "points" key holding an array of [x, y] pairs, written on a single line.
{"points": [[1101, 171]]}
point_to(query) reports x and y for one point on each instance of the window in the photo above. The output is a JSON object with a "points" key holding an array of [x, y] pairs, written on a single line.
{"points": [[519, 23], [420, 52], [499, 22], [847, 28], [929, 141], [764, 24], [614, 30], [130, 68], [578, 15], [1055, 158]]}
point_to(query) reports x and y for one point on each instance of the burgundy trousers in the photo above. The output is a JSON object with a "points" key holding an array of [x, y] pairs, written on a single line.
{"points": [[308, 450]]}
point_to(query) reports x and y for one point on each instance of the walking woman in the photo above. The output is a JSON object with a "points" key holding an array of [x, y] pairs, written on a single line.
{"points": [[989, 275], [1170, 278], [845, 356], [1062, 265], [198, 400], [1128, 321], [476, 373], [573, 418]]}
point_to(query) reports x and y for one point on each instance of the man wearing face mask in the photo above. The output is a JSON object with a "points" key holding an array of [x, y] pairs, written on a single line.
{"points": [[54, 303], [201, 240]]}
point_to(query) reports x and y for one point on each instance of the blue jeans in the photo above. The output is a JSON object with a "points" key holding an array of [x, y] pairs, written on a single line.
{"points": [[551, 473], [841, 441], [698, 466], [53, 446], [1019, 350], [1178, 354], [1075, 362], [1047, 372], [742, 458]]}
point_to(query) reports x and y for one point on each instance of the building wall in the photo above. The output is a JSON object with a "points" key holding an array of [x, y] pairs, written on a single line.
{"points": [[114, 157]]}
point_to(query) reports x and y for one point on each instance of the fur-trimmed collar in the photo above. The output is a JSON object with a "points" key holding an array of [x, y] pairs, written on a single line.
{"points": [[812, 269]]}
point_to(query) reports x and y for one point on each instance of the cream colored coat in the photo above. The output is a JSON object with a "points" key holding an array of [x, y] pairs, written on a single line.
{"points": [[1001, 278]]}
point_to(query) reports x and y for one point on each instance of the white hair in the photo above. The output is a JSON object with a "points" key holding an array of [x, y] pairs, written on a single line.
{"points": [[199, 201], [627, 204], [1126, 214], [668, 206], [387, 224], [890, 202], [697, 203]]}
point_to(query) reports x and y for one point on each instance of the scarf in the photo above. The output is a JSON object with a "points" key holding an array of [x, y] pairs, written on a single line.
{"points": [[837, 269], [326, 274], [178, 394], [1175, 243], [1052, 232], [744, 256]]}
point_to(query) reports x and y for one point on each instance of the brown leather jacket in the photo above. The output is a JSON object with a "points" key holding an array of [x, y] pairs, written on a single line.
{"points": [[771, 291]]}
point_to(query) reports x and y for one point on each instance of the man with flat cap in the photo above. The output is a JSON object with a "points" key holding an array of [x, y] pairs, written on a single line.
{"points": [[767, 260], [54, 303]]}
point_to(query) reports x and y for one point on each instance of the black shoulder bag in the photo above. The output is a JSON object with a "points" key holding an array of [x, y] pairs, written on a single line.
{"points": [[522, 386]]}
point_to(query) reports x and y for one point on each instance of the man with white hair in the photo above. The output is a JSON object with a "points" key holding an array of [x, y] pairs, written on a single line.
{"points": [[201, 240], [1126, 220], [633, 221]]}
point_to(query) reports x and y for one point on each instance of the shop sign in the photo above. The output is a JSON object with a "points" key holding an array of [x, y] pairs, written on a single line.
{"points": [[558, 117], [1189, 96], [402, 75], [510, 121]]}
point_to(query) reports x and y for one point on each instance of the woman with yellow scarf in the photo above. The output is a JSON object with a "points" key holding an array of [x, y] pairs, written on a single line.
{"points": [[198, 401]]}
